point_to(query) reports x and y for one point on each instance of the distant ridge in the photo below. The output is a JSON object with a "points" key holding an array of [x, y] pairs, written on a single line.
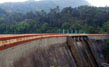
{"points": [[32, 5]]}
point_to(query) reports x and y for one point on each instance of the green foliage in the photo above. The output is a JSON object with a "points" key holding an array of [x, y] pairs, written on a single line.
{"points": [[106, 27], [107, 42], [89, 29], [80, 19], [44, 27], [66, 25], [107, 50]]}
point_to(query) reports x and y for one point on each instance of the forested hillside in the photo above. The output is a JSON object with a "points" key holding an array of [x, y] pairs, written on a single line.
{"points": [[46, 5], [84, 19]]}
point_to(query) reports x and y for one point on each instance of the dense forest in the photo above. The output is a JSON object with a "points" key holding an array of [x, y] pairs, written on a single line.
{"points": [[83, 19]]}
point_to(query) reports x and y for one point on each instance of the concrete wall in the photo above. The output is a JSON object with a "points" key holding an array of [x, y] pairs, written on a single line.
{"points": [[40, 53], [53, 52], [100, 47]]}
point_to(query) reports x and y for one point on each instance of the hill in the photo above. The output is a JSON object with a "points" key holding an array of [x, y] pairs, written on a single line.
{"points": [[40, 5]]}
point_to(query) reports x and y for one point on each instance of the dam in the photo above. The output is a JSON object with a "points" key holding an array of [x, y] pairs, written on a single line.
{"points": [[53, 50]]}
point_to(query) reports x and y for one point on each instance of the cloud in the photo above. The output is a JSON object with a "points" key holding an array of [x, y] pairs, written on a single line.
{"points": [[99, 2], [2, 1]]}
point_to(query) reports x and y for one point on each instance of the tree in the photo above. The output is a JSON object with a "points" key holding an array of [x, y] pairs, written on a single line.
{"points": [[83, 19], [106, 27], [44, 27]]}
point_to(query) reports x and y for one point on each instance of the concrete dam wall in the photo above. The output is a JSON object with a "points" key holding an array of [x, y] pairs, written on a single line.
{"points": [[53, 51]]}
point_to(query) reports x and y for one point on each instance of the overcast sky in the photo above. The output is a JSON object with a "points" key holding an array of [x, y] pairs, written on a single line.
{"points": [[99, 2], [92, 2]]}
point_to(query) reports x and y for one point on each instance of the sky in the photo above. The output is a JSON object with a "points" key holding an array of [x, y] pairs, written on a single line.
{"points": [[97, 3], [3, 1]]}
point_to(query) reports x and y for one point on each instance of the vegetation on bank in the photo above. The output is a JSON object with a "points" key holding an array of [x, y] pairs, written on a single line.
{"points": [[83, 19], [107, 50]]}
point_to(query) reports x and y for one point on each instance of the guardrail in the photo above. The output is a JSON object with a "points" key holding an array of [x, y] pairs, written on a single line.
{"points": [[7, 41]]}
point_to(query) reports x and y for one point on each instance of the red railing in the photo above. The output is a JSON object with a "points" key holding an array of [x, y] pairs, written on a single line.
{"points": [[7, 41]]}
